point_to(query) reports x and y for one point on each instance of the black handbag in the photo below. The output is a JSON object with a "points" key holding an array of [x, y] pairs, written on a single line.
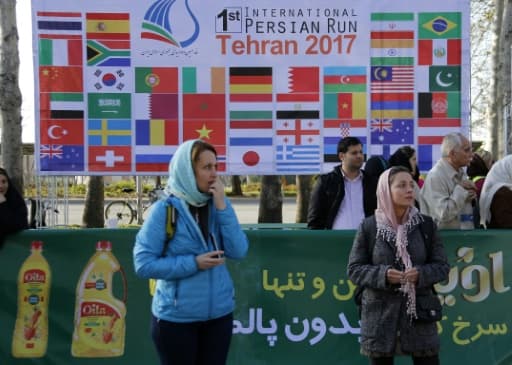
{"points": [[428, 308]]}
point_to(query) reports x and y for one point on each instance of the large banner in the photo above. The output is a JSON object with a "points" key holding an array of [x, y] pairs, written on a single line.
{"points": [[273, 85], [74, 299]]}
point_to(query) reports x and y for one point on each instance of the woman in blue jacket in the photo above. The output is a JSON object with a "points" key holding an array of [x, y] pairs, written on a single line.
{"points": [[194, 299]]}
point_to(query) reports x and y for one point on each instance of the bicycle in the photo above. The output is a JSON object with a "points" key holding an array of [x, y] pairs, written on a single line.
{"points": [[38, 211], [125, 211]]}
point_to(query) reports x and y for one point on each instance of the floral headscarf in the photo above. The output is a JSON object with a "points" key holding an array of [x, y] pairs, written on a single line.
{"points": [[389, 229]]}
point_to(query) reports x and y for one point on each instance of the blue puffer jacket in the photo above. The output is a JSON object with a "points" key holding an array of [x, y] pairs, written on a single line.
{"points": [[183, 292]]}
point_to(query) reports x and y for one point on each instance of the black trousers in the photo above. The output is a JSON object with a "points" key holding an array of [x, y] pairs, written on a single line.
{"points": [[193, 343], [431, 360]]}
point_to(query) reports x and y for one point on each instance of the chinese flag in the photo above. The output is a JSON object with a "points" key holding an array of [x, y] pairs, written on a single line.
{"points": [[60, 78]]}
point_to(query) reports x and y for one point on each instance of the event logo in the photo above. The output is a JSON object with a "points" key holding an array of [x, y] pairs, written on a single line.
{"points": [[157, 25]]}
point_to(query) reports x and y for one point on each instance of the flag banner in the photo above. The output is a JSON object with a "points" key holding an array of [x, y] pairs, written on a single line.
{"points": [[109, 79], [61, 158], [153, 158], [272, 87], [204, 80], [297, 84], [110, 158], [109, 132], [62, 131], [156, 132], [156, 80]]}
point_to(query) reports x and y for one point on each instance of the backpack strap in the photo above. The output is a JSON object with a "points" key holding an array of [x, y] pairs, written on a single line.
{"points": [[170, 226]]}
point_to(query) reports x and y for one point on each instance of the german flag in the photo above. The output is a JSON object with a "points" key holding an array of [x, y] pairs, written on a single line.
{"points": [[250, 84]]}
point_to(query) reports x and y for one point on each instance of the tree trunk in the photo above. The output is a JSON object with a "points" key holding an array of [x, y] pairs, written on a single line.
{"points": [[10, 95], [507, 87], [236, 186], [271, 200], [303, 183], [501, 90], [93, 216]]}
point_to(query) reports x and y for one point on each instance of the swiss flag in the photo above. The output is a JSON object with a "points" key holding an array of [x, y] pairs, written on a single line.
{"points": [[110, 158]]}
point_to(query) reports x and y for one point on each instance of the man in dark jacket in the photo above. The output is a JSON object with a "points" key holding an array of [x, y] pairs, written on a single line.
{"points": [[344, 196]]}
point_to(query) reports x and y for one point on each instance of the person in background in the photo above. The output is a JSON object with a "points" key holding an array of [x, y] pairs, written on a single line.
{"points": [[192, 310], [406, 156], [13, 210], [496, 196], [374, 167], [342, 198], [397, 268], [486, 156], [447, 193], [477, 171]]}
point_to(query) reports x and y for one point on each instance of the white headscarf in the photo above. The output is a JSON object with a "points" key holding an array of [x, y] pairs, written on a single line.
{"points": [[499, 175]]}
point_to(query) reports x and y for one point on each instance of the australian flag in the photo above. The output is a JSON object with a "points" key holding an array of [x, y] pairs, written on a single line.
{"points": [[392, 131]]}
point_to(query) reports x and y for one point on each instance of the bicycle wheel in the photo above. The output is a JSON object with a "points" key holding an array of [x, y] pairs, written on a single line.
{"points": [[120, 210]]}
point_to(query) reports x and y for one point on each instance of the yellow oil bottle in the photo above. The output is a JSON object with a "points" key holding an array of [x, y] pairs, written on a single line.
{"points": [[99, 327], [30, 338]]}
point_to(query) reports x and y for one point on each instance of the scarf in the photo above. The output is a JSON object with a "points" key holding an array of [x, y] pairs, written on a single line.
{"points": [[500, 175], [182, 180], [389, 229]]}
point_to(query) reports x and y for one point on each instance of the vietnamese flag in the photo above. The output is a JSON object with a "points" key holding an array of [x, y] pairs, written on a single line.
{"points": [[212, 131], [204, 106], [60, 78]]}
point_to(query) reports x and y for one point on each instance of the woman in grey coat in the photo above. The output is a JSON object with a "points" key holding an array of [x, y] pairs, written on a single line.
{"points": [[397, 256]]}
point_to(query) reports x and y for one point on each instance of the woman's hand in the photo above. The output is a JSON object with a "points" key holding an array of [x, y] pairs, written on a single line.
{"points": [[394, 276], [2, 198], [399, 277], [210, 259], [411, 275], [217, 191]]}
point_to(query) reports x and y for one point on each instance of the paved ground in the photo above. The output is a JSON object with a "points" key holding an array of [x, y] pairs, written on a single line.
{"points": [[246, 209]]}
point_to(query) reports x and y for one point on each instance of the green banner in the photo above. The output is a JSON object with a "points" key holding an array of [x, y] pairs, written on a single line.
{"points": [[294, 302]]}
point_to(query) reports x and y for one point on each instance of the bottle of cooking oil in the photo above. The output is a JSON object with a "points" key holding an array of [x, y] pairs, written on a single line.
{"points": [[99, 316], [30, 337]]}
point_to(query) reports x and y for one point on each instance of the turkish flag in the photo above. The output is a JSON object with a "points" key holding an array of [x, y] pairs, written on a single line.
{"points": [[62, 131], [110, 158]]}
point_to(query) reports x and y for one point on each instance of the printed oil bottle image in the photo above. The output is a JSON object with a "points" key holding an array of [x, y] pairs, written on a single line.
{"points": [[99, 327], [30, 337]]}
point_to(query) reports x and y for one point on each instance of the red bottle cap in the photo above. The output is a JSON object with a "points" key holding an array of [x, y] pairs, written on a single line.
{"points": [[103, 246], [37, 245]]}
